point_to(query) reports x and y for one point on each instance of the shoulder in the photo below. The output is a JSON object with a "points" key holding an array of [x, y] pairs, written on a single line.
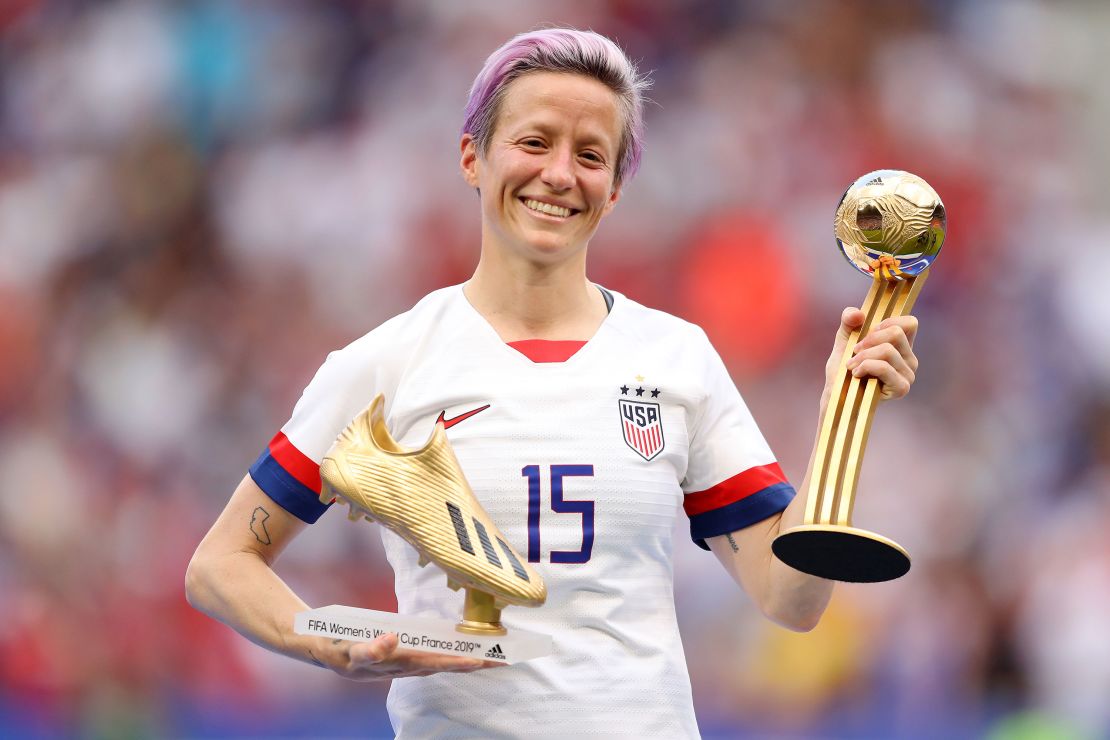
{"points": [[350, 377], [395, 339], [650, 325], [378, 359]]}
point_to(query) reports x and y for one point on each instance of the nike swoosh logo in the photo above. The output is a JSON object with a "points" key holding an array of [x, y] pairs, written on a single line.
{"points": [[448, 423]]}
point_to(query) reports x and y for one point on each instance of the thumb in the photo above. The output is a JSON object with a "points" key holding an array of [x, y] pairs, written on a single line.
{"points": [[376, 651], [851, 319]]}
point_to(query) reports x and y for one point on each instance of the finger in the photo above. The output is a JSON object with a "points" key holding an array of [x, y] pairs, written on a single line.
{"points": [[892, 383], [892, 334], [851, 318], [379, 650], [432, 672], [909, 325], [895, 336], [413, 660], [886, 353]]}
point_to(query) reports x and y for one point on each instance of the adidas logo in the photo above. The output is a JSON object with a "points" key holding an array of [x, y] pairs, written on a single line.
{"points": [[876, 181], [495, 652]]}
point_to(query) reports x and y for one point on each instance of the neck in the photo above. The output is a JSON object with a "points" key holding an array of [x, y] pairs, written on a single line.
{"points": [[529, 301]]}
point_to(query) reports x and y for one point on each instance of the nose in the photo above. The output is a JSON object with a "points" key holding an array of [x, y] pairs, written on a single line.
{"points": [[558, 170]]}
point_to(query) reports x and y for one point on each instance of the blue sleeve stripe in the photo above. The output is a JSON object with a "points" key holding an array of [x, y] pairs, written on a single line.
{"points": [[739, 514], [286, 491]]}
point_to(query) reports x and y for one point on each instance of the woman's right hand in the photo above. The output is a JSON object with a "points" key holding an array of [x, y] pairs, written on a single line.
{"points": [[382, 659]]}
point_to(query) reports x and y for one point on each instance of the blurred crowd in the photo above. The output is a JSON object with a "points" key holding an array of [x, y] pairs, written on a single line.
{"points": [[199, 200]]}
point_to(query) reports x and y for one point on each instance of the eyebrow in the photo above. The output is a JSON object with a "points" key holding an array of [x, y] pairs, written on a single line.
{"points": [[587, 138]]}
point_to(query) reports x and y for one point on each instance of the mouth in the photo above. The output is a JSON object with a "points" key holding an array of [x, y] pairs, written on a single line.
{"points": [[548, 209]]}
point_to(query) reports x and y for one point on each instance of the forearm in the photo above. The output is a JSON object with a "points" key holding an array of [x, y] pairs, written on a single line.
{"points": [[793, 598], [242, 591], [787, 596], [231, 577]]}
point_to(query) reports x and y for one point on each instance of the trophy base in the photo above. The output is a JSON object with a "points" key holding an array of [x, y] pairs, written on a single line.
{"points": [[424, 634], [841, 553], [481, 615]]}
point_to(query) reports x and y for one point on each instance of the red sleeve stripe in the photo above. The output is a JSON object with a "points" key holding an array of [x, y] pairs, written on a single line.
{"points": [[295, 462], [733, 489]]}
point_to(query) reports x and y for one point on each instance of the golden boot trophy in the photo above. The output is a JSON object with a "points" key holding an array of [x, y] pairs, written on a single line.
{"points": [[890, 225], [422, 496]]}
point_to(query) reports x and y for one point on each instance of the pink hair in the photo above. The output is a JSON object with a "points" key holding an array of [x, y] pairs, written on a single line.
{"points": [[561, 50]]}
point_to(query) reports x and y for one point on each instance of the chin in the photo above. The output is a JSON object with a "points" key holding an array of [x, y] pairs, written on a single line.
{"points": [[550, 253]]}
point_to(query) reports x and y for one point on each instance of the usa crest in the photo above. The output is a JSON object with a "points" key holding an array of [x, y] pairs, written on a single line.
{"points": [[642, 426]]}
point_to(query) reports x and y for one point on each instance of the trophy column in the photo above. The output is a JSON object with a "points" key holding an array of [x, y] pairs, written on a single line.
{"points": [[890, 225], [826, 544]]}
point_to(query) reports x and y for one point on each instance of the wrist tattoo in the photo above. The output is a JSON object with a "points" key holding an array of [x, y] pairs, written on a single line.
{"points": [[314, 659], [258, 525], [732, 543]]}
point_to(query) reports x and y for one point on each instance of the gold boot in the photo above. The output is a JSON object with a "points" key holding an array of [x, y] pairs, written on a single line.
{"points": [[422, 496]]}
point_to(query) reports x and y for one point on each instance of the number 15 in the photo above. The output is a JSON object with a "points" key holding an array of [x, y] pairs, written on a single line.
{"points": [[560, 506]]}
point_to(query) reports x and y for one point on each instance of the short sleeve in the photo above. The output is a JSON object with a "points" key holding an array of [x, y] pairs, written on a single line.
{"points": [[732, 478], [288, 470]]}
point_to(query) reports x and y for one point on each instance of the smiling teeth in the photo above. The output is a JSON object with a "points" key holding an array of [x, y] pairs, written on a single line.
{"points": [[547, 208]]}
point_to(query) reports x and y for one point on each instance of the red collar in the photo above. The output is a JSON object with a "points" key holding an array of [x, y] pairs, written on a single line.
{"points": [[547, 350]]}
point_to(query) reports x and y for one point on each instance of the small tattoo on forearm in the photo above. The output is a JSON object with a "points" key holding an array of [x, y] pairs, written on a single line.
{"points": [[315, 659], [732, 543], [258, 525]]}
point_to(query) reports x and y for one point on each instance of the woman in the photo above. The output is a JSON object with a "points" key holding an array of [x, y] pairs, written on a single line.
{"points": [[589, 420]]}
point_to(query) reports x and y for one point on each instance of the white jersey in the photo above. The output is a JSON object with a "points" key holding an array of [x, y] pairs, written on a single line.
{"points": [[583, 464]]}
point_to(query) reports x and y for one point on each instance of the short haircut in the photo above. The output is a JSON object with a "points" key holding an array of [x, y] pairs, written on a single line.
{"points": [[561, 50]]}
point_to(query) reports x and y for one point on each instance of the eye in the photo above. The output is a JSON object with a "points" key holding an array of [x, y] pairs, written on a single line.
{"points": [[532, 143], [592, 157]]}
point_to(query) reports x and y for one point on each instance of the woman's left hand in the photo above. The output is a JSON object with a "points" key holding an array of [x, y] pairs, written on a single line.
{"points": [[886, 353]]}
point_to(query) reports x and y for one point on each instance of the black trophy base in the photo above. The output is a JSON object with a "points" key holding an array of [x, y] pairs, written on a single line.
{"points": [[841, 553]]}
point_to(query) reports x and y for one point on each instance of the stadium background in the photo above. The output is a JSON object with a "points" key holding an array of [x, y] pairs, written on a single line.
{"points": [[199, 199]]}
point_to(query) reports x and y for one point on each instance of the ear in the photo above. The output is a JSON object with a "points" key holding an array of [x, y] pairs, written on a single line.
{"points": [[613, 198], [468, 162]]}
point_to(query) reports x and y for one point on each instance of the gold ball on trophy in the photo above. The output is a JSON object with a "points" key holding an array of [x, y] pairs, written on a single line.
{"points": [[891, 222]]}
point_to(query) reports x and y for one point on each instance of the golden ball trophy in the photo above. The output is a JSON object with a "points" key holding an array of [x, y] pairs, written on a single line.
{"points": [[890, 225], [422, 496]]}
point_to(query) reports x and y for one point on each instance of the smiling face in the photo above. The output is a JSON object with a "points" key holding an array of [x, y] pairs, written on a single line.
{"points": [[548, 175]]}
